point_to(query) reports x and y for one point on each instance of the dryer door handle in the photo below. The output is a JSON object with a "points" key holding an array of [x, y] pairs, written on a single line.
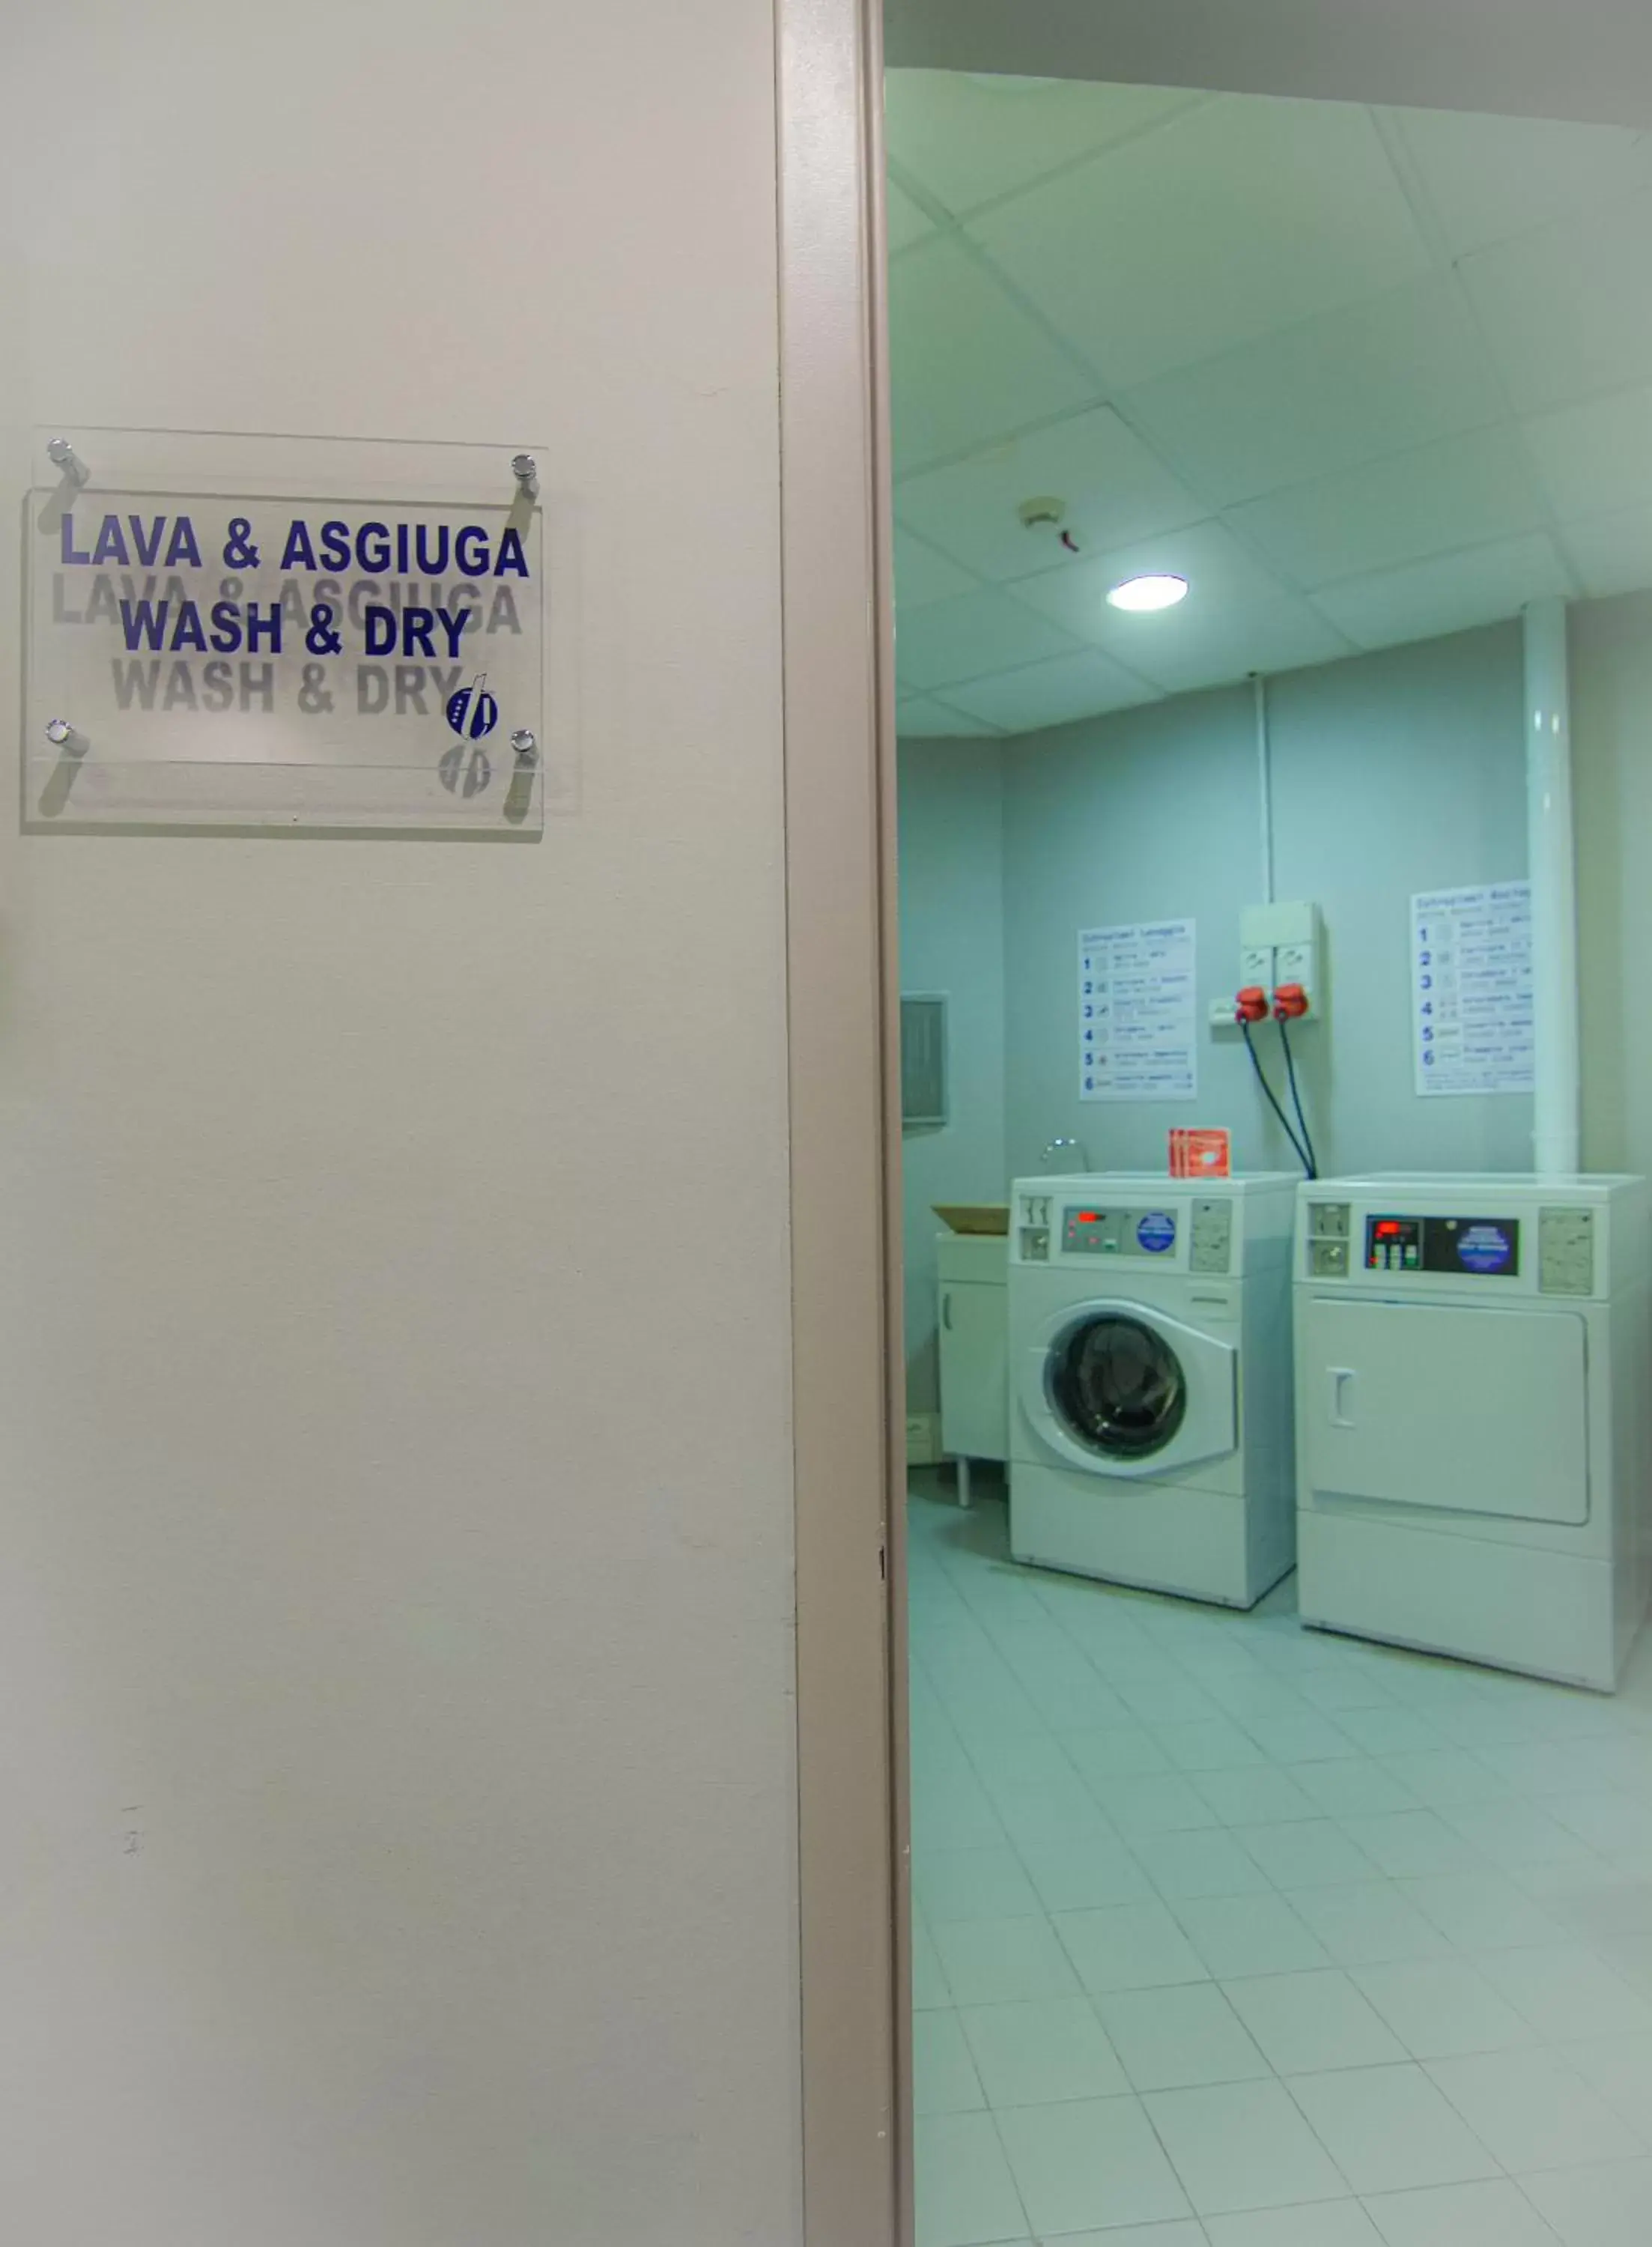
{"points": [[1342, 1394], [946, 1310]]}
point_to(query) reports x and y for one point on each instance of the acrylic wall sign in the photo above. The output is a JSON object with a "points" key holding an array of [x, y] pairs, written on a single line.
{"points": [[323, 637]]}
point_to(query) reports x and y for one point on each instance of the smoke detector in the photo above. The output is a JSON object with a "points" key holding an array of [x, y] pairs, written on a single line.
{"points": [[1044, 513]]}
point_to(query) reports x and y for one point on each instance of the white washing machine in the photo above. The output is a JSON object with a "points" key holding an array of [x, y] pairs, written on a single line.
{"points": [[1151, 1381], [1472, 1434]]}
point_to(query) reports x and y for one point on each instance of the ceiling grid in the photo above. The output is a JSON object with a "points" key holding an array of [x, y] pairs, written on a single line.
{"points": [[1302, 354], [1438, 236]]}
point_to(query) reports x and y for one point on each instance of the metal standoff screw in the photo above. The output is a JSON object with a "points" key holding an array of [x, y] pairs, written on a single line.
{"points": [[62, 454], [525, 743], [525, 468], [63, 735]]}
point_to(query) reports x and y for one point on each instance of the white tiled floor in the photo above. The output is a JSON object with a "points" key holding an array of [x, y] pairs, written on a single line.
{"points": [[1232, 1935]]}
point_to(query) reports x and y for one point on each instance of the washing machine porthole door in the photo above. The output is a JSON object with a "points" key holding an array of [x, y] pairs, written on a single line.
{"points": [[1117, 1385]]}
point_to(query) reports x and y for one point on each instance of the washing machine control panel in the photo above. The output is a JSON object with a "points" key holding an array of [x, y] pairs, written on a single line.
{"points": [[1035, 1228], [1089, 1230], [1211, 1245]]}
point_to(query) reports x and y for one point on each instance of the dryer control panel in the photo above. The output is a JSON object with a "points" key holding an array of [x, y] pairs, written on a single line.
{"points": [[1386, 1243], [1565, 1251], [1465, 1247], [1329, 1223]]}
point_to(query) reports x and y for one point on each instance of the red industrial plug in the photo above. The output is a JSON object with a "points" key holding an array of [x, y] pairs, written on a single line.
{"points": [[1290, 1002], [1251, 1006]]}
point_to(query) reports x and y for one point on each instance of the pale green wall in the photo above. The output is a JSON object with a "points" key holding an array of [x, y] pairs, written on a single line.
{"points": [[1392, 773], [1395, 772], [1612, 750], [952, 922]]}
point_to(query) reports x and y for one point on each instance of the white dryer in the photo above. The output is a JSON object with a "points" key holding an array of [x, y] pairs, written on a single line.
{"points": [[1472, 1434], [1151, 1381]]}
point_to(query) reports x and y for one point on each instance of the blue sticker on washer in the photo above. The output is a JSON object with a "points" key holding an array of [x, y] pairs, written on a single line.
{"points": [[1157, 1232]]}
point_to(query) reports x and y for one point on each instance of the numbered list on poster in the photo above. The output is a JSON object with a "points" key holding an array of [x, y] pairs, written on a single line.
{"points": [[1137, 1013], [1472, 980]]}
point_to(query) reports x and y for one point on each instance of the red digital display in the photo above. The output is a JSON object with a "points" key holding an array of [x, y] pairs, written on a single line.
{"points": [[1386, 1227], [1090, 1217]]}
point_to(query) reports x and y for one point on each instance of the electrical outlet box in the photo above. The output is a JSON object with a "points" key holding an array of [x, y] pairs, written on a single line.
{"points": [[1281, 944], [1296, 963], [1268, 927]]}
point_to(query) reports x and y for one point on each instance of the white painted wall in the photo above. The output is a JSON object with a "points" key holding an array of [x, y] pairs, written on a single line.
{"points": [[393, 1307], [951, 939]]}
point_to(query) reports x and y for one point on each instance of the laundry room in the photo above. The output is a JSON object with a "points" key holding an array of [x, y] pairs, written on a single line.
{"points": [[1273, 505]]}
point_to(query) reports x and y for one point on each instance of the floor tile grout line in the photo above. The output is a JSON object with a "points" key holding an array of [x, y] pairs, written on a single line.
{"points": [[1001, 1630], [1536, 2211], [1020, 2198], [1421, 2069]]}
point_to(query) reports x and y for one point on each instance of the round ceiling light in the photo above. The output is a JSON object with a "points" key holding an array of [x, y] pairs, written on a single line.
{"points": [[1143, 595]]}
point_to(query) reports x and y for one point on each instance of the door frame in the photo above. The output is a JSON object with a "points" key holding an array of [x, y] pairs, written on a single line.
{"points": [[844, 1013], [1591, 62]]}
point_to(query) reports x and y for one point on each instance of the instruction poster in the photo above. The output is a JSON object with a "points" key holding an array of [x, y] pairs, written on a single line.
{"points": [[1138, 1011], [1471, 985]]}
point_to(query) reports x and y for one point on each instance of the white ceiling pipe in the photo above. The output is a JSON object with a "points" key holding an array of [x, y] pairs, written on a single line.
{"points": [[1264, 780], [1556, 1104]]}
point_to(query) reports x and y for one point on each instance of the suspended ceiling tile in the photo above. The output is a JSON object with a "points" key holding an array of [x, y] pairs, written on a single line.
{"points": [[970, 637], [968, 140], [966, 363], [1613, 554], [1351, 386], [908, 223], [1235, 618], [1115, 489], [1596, 458], [1568, 311], [1053, 693], [1488, 179], [1235, 219], [922, 575], [920, 719], [1463, 491], [1449, 593]]}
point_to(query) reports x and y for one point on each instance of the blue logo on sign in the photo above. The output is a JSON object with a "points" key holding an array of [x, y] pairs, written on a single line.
{"points": [[1157, 1232], [1485, 1248], [473, 713]]}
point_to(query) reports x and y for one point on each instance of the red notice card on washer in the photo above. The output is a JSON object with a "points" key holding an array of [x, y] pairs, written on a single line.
{"points": [[1201, 1154]]}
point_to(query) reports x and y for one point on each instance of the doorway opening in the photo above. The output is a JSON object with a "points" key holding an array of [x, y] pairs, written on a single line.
{"points": [[1273, 558]]}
